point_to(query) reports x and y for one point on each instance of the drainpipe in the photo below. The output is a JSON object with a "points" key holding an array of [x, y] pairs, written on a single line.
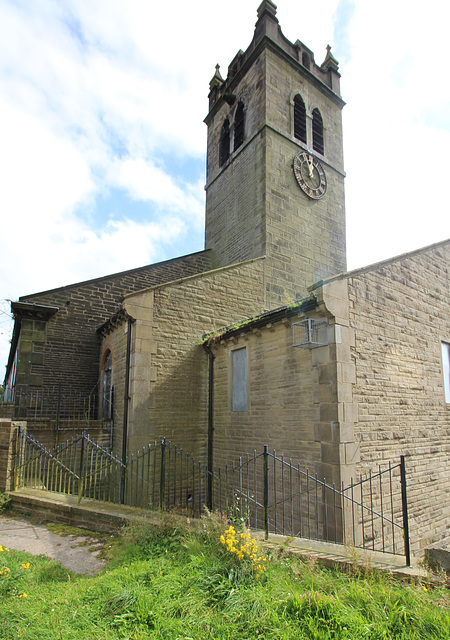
{"points": [[210, 423], [125, 413]]}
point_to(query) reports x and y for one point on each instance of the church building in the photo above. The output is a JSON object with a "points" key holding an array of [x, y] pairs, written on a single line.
{"points": [[264, 337]]}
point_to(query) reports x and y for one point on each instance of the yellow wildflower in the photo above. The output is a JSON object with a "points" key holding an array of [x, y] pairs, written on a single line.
{"points": [[4, 572], [243, 546], [23, 595], [25, 565]]}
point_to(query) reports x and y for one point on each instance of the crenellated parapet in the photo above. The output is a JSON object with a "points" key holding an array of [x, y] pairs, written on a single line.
{"points": [[268, 33]]}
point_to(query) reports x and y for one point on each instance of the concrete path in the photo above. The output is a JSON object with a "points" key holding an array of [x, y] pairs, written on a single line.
{"points": [[75, 552]]}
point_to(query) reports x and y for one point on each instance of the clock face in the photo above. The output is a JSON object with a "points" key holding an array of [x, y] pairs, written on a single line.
{"points": [[310, 175]]}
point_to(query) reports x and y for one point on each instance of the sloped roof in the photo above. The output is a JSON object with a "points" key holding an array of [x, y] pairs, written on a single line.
{"points": [[262, 320]]}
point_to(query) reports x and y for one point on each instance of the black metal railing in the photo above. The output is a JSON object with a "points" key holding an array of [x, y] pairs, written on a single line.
{"points": [[262, 489], [55, 403]]}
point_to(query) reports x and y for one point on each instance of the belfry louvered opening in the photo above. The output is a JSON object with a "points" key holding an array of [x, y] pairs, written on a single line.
{"points": [[299, 118], [224, 146], [239, 126], [317, 130], [306, 61]]}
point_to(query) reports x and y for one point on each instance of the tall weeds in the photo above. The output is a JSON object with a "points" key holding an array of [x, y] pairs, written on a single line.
{"points": [[176, 582]]}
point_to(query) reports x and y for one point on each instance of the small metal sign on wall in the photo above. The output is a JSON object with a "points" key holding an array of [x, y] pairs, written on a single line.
{"points": [[310, 333]]}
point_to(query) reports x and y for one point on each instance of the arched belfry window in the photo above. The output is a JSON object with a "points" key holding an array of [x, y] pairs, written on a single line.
{"points": [[239, 122], [299, 118], [224, 147], [317, 131], [107, 386]]}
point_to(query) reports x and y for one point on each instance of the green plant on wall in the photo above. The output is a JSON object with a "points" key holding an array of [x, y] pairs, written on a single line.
{"points": [[5, 502]]}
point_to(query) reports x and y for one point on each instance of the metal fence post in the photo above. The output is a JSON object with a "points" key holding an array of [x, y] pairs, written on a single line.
{"points": [[111, 422], [163, 474], [81, 480], [266, 490], [17, 466], [123, 473], [405, 511]]}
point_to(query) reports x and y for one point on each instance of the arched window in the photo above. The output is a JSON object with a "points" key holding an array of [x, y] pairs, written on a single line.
{"points": [[299, 119], [107, 386], [224, 147], [317, 131], [239, 126]]}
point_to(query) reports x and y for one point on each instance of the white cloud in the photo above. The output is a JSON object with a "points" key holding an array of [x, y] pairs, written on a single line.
{"points": [[144, 181], [43, 176], [142, 240], [395, 158]]}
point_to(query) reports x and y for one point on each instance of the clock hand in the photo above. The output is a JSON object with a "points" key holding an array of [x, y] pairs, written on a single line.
{"points": [[310, 166]]}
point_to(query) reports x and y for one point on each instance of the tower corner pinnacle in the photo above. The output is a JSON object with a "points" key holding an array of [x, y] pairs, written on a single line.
{"points": [[267, 6]]}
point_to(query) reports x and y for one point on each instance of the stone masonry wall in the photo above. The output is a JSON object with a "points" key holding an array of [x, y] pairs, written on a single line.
{"points": [[281, 382], [235, 191], [299, 399], [284, 82], [49, 436], [305, 238], [254, 205], [116, 342], [169, 367], [66, 349], [399, 311]]}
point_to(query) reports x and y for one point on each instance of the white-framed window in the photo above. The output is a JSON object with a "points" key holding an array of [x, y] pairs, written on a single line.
{"points": [[239, 399], [445, 346]]}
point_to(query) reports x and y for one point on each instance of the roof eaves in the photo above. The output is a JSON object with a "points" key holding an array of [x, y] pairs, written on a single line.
{"points": [[269, 317], [27, 309], [113, 322]]}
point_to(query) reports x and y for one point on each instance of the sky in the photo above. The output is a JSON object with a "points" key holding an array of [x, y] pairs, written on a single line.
{"points": [[102, 140]]}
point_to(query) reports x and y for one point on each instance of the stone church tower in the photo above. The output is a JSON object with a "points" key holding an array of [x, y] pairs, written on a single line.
{"points": [[275, 177]]}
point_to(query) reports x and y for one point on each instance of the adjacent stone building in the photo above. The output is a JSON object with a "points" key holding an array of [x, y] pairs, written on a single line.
{"points": [[348, 380], [263, 337], [54, 339]]}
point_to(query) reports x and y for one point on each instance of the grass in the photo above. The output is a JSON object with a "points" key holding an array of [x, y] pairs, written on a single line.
{"points": [[169, 582]]}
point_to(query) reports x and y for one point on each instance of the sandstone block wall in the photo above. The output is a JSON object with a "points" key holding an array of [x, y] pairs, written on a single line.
{"points": [[66, 348], [283, 81], [169, 367], [281, 414], [254, 205], [399, 311], [234, 214], [299, 399], [250, 89], [305, 238], [49, 435], [235, 192], [116, 342]]}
